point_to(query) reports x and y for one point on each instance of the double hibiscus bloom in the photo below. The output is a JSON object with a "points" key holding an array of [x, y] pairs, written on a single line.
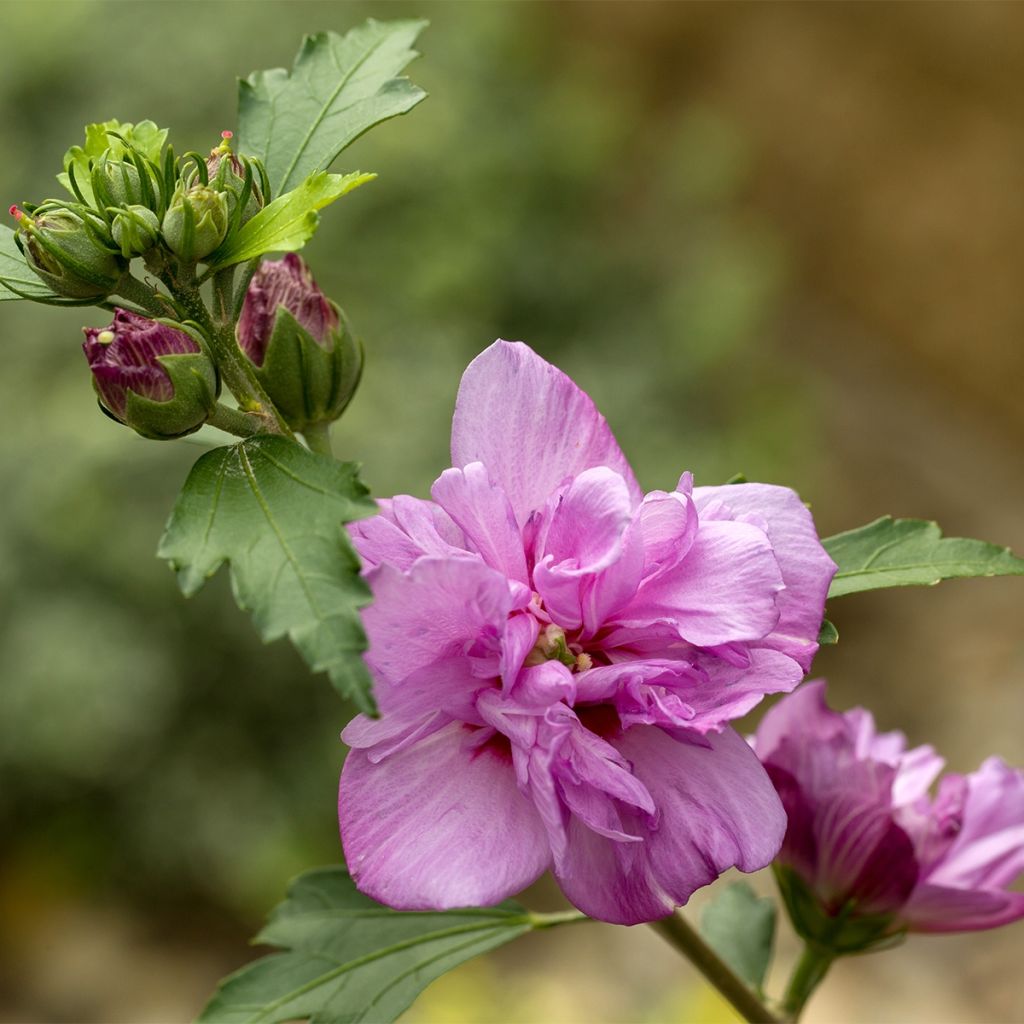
{"points": [[557, 657]]}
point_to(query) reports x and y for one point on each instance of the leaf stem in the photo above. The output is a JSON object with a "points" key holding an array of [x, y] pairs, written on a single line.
{"points": [[810, 971], [318, 437], [132, 289], [677, 932]]}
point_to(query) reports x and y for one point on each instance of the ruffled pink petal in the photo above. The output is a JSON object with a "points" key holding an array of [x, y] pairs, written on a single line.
{"points": [[406, 529], [482, 511], [723, 591], [440, 824], [716, 809], [807, 570], [668, 524], [531, 426], [803, 715], [581, 538], [937, 909], [433, 612]]}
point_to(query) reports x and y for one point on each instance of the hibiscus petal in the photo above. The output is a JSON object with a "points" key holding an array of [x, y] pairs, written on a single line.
{"points": [[724, 590], [406, 529], [482, 510], [806, 568], [531, 426], [937, 908], [439, 825], [717, 809]]}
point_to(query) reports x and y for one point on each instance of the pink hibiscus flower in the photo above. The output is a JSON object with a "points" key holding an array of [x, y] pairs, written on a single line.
{"points": [[557, 656]]}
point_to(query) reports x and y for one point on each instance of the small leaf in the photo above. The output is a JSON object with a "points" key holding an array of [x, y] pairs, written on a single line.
{"points": [[828, 634], [145, 137], [340, 86], [737, 478], [287, 223], [911, 552], [350, 959], [275, 512], [17, 281], [740, 927]]}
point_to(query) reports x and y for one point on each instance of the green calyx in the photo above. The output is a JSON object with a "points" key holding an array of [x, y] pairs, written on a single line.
{"points": [[73, 253], [135, 229], [838, 933], [196, 222], [196, 388], [310, 383]]}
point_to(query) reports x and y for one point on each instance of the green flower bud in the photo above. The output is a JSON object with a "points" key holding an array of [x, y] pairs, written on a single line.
{"points": [[304, 354], [196, 222], [151, 375], [74, 258], [136, 230], [119, 183], [238, 178]]}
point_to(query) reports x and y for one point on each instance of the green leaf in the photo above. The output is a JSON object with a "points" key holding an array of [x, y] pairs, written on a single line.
{"points": [[145, 137], [17, 281], [350, 959], [287, 223], [740, 927], [275, 511], [340, 86], [828, 634], [911, 552]]}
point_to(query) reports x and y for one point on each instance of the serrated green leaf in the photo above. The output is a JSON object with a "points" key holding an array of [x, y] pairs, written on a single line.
{"points": [[911, 552], [340, 86], [16, 279], [828, 634], [287, 223], [740, 927], [350, 959], [275, 511]]}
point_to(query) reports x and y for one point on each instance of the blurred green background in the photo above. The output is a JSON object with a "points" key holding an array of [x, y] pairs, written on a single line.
{"points": [[777, 239]]}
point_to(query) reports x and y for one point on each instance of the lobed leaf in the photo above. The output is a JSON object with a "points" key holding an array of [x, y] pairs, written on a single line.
{"points": [[340, 86], [740, 927], [275, 511], [911, 552], [349, 959], [287, 223]]}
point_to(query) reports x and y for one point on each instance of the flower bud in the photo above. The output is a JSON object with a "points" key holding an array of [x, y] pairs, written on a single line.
{"points": [[136, 230], [119, 183], [70, 255], [304, 354], [196, 222], [151, 375], [228, 174]]}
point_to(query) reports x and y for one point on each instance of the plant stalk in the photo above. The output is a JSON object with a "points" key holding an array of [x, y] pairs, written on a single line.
{"points": [[678, 933], [318, 437], [234, 421], [810, 971]]}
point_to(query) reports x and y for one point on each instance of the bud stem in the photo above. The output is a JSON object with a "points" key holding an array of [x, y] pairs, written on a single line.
{"points": [[318, 437], [234, 421], [132, 289], [808, 974], [677, 932]]}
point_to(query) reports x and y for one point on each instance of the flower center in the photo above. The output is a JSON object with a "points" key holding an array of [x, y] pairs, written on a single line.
{"points": [[552, 646]]}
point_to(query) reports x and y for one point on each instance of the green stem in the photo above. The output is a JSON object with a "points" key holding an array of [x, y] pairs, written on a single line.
{"points": [[224, 295], [234, 421], [808, 974], [678, 933], [318, 437], [142, 295]]}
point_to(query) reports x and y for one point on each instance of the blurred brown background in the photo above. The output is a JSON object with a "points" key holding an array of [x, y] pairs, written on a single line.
{"points": [[770, 238]]}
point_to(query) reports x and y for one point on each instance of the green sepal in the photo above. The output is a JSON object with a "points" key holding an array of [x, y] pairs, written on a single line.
{"points": [[828, 634], [309, 382], [842, 933], [196, 222], [196, 388]]}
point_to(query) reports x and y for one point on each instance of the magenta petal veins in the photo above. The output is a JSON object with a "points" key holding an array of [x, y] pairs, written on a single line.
{"points": [[543, 632]]}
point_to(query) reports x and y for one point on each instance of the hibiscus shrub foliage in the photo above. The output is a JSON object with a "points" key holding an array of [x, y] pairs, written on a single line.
{"points": [[548, 661]]}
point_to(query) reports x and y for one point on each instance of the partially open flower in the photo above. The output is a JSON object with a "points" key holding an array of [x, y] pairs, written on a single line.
{"points": [[868, 852], [303, 352], [151, 375]]}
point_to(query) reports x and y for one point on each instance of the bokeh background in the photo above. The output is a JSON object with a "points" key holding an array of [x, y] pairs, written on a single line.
{"points": [[770, 238]]}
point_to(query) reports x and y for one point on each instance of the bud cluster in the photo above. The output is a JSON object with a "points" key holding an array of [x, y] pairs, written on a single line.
{"points": [[284, 349]]}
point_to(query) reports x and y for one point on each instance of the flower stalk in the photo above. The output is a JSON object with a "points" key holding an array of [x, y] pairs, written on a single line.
{"points": [[809, 973], [679, 934]]}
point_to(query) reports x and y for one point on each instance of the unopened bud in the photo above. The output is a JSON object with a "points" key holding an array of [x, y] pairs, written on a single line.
{"points": [[151, 375], [303, 352], [74, 259], [196, 222], [119, 183], [136, 230], [236, 178]]}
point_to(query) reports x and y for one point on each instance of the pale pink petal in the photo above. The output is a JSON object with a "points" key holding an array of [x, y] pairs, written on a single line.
{"points": [[531, 426], [716, 809], [439, 825], [724, 590], [807, 570], [668, 524], [937, 909], [482, 511], [406, 529], [803, 715]]}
